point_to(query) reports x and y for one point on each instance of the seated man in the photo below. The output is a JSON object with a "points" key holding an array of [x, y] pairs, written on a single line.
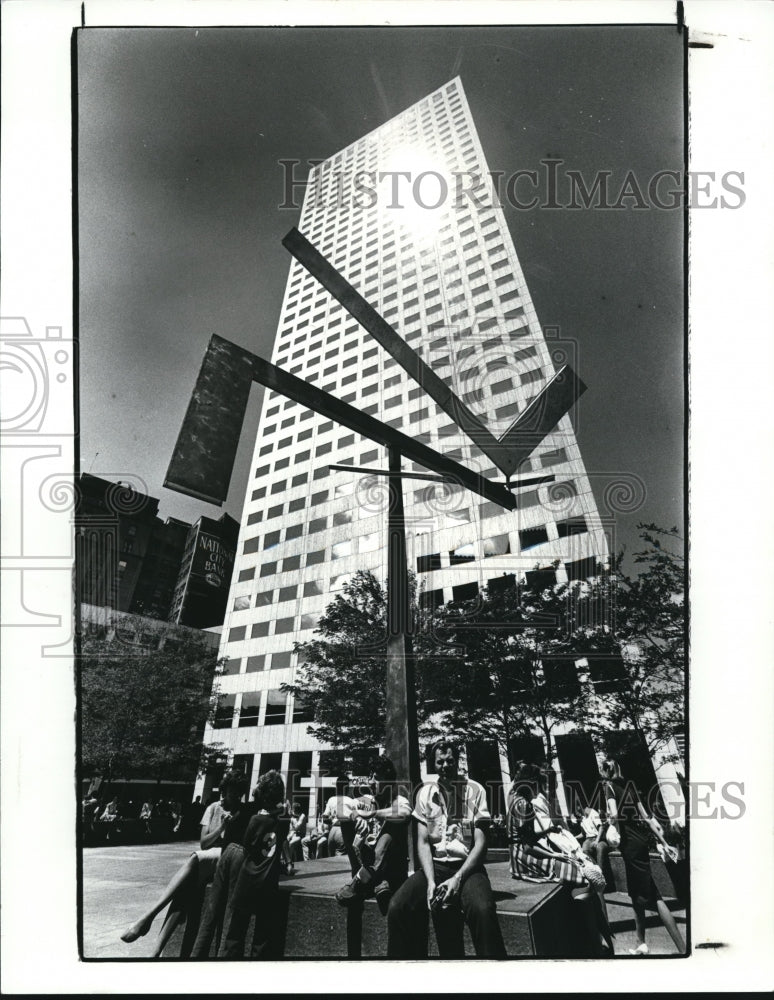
{"points": [[315, 843], [347, 826], [385, 851], [297, 833], [590, 827], [452, 883]]}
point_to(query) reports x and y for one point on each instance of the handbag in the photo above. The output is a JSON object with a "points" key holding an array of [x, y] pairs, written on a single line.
{"points": [[612, 837], [530, 867]]}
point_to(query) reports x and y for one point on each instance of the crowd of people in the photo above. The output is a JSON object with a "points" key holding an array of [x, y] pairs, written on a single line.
{"points": [[246, 847], [116, 819]]}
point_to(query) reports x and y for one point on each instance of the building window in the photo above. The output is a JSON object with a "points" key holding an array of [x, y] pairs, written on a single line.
{"points": [[582, 569], [251, 707], [312, 588], [302, 712], [571, 526], [369, 543], [317, 524], [540, 579], [465, 592], [276, 708], [237, 634], [313, 558], [455, 517], [294, 531], [530, 537], [280, 661], [496, 545], [556, 457], [430, 599], [231, 667], [309, 621], [341, 549], [527, 499], [462, 554], [342, 517], [260, 630], [241, 603], [425, 564], [246, 574], [269, 569], [291, 563], [224, 713], [251, 545], [295, 505], [283, 625], [255, 663], [489, 509], [287, 594], [264, 598], [271, 539]]}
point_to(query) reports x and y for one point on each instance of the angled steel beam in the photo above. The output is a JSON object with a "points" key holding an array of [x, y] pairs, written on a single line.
{"points": [[428, 477], [508, 452], [349, 416], [203, 459]]}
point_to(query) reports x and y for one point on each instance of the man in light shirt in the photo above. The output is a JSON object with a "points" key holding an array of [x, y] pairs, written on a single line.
{"points": [[451, 883]]}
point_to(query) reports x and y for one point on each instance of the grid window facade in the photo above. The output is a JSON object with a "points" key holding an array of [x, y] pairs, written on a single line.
{"points": [[448, 280]]}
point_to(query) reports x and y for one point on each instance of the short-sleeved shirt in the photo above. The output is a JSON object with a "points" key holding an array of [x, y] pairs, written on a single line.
{"points": [[398, 829], [213, 817], [590, 824], [345, 807], [235, 830], [466, 808], [265, 834]]}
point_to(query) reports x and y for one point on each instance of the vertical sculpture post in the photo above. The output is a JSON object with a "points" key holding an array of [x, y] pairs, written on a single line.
{"points": [[402, 742]]}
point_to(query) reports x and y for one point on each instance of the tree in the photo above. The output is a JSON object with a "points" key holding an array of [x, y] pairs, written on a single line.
{"points": [[508, 670], [649, 633], [341, 676], [143, 712]]}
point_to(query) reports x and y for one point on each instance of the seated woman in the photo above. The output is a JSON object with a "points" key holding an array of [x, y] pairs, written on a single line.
{"points": [[541, 850], [185, 890]]}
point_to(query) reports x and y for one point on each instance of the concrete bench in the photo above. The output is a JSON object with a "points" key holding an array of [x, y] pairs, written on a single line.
{"points": [[536, 919]]}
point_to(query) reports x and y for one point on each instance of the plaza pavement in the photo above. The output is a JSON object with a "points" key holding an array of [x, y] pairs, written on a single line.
{"points": [[120, 882]]}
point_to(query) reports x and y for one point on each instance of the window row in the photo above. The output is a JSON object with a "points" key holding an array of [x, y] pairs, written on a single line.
{"points": [[274, 704]]}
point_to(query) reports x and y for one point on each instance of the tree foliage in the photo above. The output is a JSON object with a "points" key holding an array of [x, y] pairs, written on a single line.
{"points": [[143, 713], [506, 671], [503, 665], [650, 628], [341, 676]]}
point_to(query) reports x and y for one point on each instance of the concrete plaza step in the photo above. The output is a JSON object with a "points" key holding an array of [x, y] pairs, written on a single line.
{"points": [[541, 920]]}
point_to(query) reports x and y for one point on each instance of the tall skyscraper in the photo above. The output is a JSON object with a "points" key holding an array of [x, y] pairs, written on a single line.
{"points": [[408, 215]]}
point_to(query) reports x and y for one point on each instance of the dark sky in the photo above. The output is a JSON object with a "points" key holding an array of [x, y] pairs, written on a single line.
{"points": [[180, 136]]}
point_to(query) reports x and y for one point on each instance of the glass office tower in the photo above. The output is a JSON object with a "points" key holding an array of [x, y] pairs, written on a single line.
{"points": [[431, 251]]}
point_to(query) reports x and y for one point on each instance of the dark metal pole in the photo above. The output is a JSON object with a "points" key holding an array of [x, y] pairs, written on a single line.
{"points": [[402, 740]]}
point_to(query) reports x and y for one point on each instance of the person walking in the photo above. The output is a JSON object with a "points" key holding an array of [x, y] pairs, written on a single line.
{"points": [[628, 816]]}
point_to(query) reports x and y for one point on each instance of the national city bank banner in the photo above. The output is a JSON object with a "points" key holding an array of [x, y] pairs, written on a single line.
{"points": [[213, 561]]}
